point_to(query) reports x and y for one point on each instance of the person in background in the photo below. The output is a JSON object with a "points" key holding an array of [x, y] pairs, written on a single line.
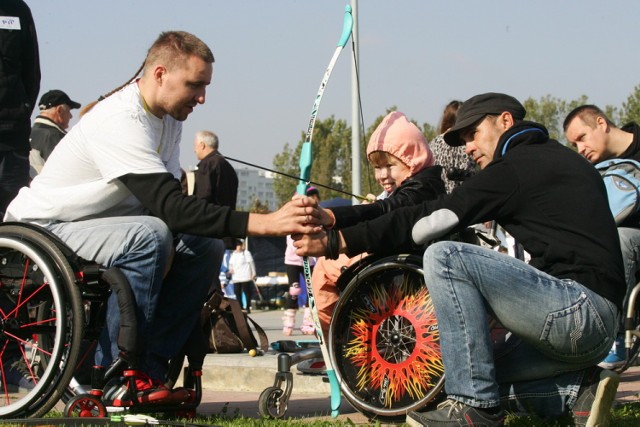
{"points": [[19, 88], [111, 191], [243, 274], [562, 308], [456, 164], [598, 139], [49, 127], [216, 181], [297, 295]]}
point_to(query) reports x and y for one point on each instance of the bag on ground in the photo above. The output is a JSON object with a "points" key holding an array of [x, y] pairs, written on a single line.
{"points": [[227, 327]]}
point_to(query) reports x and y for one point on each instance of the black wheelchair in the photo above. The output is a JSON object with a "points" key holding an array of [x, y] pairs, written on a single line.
{"points": [[383, 342], [52, 312]]}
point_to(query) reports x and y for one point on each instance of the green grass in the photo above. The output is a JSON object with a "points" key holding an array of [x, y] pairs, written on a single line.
{"points": [[627, 415]]}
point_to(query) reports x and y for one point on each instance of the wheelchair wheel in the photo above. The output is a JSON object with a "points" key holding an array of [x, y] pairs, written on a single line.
{"points": [[40, 321], [383, 340]]}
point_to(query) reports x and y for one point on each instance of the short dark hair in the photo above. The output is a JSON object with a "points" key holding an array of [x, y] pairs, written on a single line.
{"points": [[172, 47], [588, 113]]}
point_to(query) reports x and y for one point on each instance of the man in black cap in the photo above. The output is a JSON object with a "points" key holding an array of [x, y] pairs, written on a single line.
{"points": [[49, 127], [562, 308]]}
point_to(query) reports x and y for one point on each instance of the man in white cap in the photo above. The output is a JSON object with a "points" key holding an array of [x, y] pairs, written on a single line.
{"points": [[49, 127]]}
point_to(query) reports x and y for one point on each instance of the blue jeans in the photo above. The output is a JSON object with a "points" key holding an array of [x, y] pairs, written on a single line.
{"points": [[558, 326], [142, 246]]}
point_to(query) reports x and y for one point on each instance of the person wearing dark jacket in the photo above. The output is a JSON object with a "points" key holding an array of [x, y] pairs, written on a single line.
{"points": [[598, 139], [111, 191], [562, 309], [49, 127], [215, 179], [403, 163], [19, 87]]}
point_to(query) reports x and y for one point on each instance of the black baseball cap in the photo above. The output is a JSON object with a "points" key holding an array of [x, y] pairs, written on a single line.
{"points": [[476, 107], [54, 98]]}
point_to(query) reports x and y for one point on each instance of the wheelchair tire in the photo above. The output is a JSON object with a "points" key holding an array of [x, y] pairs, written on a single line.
{"points": [[384, 341], [39, 282]]}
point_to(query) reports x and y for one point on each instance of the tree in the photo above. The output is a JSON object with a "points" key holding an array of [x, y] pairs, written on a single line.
{"points": [[331, 160], [630, 111], [257, 206]]}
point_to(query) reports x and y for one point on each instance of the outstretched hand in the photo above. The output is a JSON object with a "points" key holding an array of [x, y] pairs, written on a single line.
{"points": [[300, 215], [310, 244]]}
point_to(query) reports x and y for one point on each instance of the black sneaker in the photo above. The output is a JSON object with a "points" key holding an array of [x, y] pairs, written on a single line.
{"points": [[454, 413], [596, 394], [19, 377]]}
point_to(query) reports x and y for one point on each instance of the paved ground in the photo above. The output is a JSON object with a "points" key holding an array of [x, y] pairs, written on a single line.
{"points": [[236, 381]]}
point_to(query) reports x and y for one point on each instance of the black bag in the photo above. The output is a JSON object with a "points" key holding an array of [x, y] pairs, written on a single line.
{"points": [[227, 327]]}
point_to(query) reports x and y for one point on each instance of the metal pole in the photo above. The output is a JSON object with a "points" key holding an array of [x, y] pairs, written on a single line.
{"points": [[355, 109]]}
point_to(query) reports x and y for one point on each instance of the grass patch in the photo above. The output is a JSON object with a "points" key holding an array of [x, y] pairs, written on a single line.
{"points": [[627, 415]]}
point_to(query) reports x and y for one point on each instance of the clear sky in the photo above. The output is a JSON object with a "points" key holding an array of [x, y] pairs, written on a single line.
{"points": [[415, 54]]}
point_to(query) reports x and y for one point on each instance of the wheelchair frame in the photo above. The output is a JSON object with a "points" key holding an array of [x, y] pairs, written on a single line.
{"points": [[53, 303]]}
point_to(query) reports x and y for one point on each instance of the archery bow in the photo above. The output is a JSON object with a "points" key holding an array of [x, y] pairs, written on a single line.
{"points": [[305, 174]]}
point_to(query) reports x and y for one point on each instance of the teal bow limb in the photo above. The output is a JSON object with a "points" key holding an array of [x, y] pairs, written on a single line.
{"points": [[306, 154]]}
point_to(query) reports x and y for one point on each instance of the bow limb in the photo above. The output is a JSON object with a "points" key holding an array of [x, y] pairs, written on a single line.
{"points": [[305, 176], [306, 155]]}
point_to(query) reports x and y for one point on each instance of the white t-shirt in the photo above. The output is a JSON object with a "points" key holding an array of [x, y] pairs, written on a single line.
{"points": [[117, 137]]}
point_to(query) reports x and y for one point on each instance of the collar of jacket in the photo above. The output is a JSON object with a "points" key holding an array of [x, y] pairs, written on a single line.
{"points": [[48, 122], [523, 132]]}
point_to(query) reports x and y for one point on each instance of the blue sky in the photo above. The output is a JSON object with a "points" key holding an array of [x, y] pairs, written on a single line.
{"points": [[415, 54]]}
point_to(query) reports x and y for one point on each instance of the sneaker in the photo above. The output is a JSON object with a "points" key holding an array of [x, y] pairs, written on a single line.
{"points": [[314, 366], [18, 376], [617, 356], [596, 394], [149, 391], [451, 412]]}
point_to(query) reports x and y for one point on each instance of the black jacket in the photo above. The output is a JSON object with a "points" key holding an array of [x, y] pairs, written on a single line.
{"points": [[216, 181], [425, 185], [545, 195], [19, 77]]}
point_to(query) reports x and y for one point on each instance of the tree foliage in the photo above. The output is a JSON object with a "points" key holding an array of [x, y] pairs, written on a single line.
{"points": [[332, 144]]}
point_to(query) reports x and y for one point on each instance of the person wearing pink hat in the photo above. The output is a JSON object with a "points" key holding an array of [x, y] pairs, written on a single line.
{"points": [[404, 168]]}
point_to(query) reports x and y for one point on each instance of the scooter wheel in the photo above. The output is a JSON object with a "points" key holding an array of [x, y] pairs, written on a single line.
{"points": [[270, 404]]}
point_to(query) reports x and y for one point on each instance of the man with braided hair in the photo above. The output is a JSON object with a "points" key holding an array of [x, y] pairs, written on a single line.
{"points": [[111, 191]]}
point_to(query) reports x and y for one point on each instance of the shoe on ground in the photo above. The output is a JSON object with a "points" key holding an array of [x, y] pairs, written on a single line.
{"points": [[149, 391], [454, 413], [596, 394], [18, 376], [314, 366]]}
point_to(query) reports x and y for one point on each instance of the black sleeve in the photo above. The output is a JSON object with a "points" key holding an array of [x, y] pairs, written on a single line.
{"points": [[31, 60], [426, 185], [162, 195]]}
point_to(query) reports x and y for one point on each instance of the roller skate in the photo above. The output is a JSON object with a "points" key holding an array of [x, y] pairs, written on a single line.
{"points": [[308, 326]]}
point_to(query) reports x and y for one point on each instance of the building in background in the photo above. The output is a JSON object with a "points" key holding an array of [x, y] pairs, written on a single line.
{"points": [[255, 184]]}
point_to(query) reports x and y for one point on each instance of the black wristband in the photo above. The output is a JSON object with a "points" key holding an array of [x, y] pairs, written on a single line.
{"points": [[333, 244]]}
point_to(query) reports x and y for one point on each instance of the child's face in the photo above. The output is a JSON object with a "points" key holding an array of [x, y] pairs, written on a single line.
{"points": [[390, 172]]}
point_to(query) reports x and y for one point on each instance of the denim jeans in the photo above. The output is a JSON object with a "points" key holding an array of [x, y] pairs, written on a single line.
{"points": [[166, 310], [558, 328]]}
